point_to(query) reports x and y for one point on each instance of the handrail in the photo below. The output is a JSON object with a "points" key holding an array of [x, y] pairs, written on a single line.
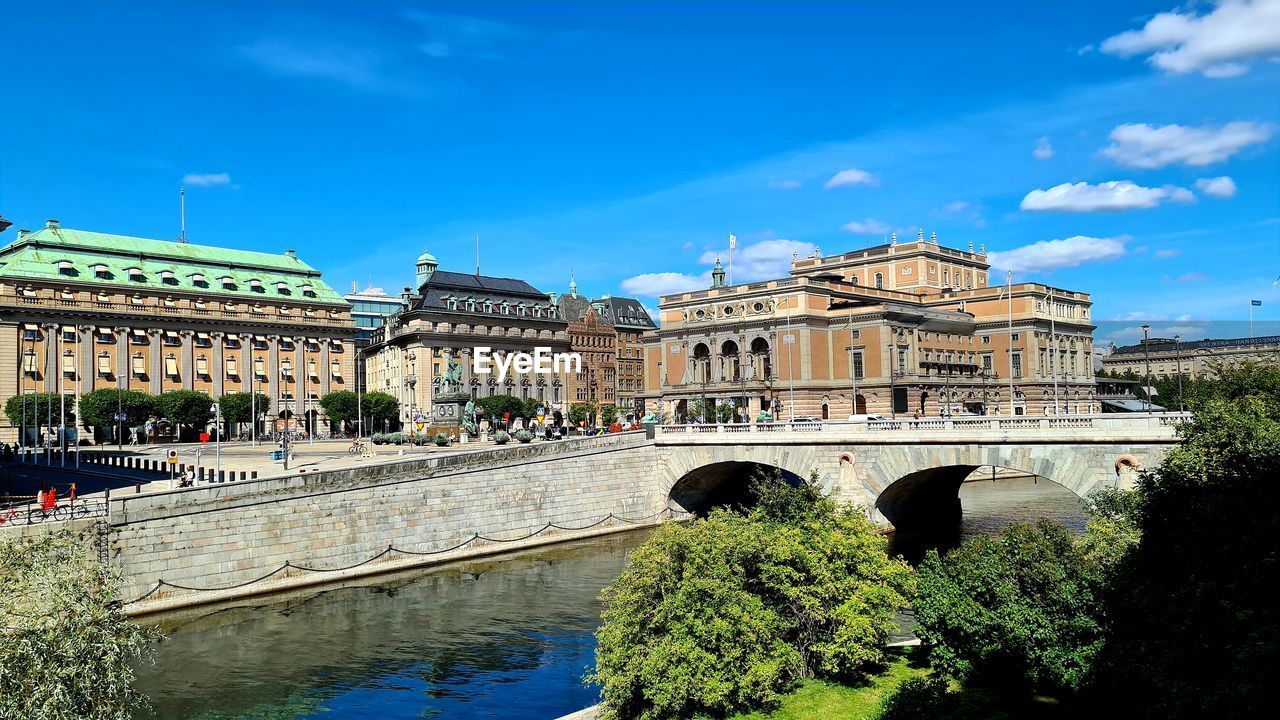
{"points": [[933, 424]]}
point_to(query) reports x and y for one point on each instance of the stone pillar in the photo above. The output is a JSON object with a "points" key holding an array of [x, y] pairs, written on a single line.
{"points": [[217, 364], [273, 373], [326, 366], [187, 362], [157, 361], [122, 357], [87, 367], [300, 381], [247, 381]]}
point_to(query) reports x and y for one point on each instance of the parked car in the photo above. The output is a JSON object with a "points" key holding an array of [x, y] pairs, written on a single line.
{"points": [[806, 420], [866, 418]]}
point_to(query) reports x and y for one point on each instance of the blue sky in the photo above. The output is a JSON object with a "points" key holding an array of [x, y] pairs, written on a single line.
{"points": [[1084, 145]]}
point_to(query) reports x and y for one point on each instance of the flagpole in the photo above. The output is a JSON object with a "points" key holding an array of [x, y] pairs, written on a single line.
{"points": [[732, 241], [1009, 281], [1250, 318]]}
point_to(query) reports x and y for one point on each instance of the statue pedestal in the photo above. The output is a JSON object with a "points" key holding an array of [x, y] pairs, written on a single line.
{"points": [[448, 410]]}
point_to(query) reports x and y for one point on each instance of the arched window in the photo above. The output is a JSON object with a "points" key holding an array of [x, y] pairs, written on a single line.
{"points": [[879, 280], [762, 366], [729, 361]]}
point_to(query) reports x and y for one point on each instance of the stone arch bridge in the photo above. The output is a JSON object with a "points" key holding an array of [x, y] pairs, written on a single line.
{"points": [[908, 472]]}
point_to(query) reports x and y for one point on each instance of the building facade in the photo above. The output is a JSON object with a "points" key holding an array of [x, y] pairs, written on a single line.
{"points": [[595, 341], [446, 319], [630, 323], [370, 309], [84, 310], [900, 328], [1168, 357]]}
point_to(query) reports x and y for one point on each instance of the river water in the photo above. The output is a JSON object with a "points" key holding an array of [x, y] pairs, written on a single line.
{"points": [[498, 638]]}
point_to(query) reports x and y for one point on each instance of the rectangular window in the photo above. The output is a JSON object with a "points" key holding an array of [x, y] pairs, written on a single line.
{"points": [[1017, 365], [857, 364]]}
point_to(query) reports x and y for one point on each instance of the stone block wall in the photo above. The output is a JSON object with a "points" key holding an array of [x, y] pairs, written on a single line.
{"points": [[213, 537]]}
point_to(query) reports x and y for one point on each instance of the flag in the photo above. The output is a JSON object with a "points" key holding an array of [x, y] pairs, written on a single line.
{"points": [[733, 241], [1256, 303]]}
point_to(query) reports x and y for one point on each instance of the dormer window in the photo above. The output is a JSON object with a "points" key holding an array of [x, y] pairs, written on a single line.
{"points": [[136, 274], [228, 282], [308, 290], [198, 280], [255, 285], [168, 278], [66, 267], [282, 288]]}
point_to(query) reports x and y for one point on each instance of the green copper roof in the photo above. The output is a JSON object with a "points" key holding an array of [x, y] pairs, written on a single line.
{"points": [[103, 259]]}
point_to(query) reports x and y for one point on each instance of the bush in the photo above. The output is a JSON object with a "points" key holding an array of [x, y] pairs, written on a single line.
{"points": [[395, 438], [524, 436], [379, 439], [501, 437], [916, 698], [419, 438], [1019, 611], [441, 439], [722, 614]]}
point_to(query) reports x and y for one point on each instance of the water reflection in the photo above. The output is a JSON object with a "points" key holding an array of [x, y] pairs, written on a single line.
{"points": [[503, 638]]}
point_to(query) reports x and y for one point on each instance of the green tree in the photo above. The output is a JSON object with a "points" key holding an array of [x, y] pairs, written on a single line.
{"points": [[724, 613], [380, 407], [238, 407], [98, 408], [725, 412], [530, 407], [580, 412], [68, 652], [1193, 623], [1018, 611], [495, 406], [608, 413], [37, 409], [191, 409], [342, 406]]}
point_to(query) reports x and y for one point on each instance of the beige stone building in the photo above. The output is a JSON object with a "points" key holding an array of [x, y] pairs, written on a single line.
{"points": [[1167, 357], [897, 329], [446, 318], [82, 310]]}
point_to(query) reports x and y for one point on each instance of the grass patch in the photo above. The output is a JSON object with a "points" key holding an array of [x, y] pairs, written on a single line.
{"points": [[821, 699]]}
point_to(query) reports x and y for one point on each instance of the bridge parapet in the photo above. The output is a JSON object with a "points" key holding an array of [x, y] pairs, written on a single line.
{"points": [[1161, 427]]}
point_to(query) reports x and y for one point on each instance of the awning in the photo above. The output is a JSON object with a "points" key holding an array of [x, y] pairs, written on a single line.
{"points": [[202, 336], [1130, 405], [139, 333], [30, 326]]}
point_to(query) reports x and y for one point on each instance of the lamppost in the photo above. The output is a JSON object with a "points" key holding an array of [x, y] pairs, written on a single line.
{"points": [[253, 399], [410, 382], [853, 370], [360, 381], [1146, 352], [217, 439], [284, 436], [893, 389], [1177, 349]]}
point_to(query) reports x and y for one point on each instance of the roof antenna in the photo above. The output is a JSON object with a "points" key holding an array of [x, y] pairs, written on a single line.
{"points": [[182, 201]]}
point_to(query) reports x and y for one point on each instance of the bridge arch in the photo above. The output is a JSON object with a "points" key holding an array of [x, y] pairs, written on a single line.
{"points": [[698, 477], [720, 483]]}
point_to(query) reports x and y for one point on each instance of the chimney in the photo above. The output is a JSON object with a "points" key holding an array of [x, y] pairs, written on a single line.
{"points": [[287, 253], [51, 224], [23, 233]]}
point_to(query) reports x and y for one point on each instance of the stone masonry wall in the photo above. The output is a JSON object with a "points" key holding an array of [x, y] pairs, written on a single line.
{"points": [[213, 537]]}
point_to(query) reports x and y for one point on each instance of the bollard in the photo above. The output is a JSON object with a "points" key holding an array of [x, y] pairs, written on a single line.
{"points": [[137, 488]]}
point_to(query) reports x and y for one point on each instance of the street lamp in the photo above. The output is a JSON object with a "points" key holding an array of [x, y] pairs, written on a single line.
{"points": [[284, 436], [1146, 352], [1177, 349], [217, 438]]}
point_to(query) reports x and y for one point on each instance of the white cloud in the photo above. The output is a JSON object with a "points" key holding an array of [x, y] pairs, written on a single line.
{"points": [[1114, 195], [206, 179], [867, 227], [763, 260], [1043, 150], [784, 184], [1050, 255], [955, 206], [1220, 43], [1139, 315], [1192, 277], [665, 283], [1167, 253], [461, 36], [1144, 146], [852, 176], [1219, 187], [360, 68]]}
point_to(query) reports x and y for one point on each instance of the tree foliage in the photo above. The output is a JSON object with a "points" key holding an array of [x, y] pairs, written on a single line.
{"points": [[724, 613], [238, 407], [381, 407], [1194, 626], [98, 408], [1018, 610], [66, 651], [580, 412], [495, 406], [37, 408], [342, 406], [188, 408], [608, 413]]}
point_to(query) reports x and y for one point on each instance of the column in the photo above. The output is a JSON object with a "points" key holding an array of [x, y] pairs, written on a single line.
{"points": [[122, 357], [273, 372], [326, 366], [216, 366], [187, 363], [247, 381], [87, 368], [157, 361], [300, 381], [50, 377]]}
